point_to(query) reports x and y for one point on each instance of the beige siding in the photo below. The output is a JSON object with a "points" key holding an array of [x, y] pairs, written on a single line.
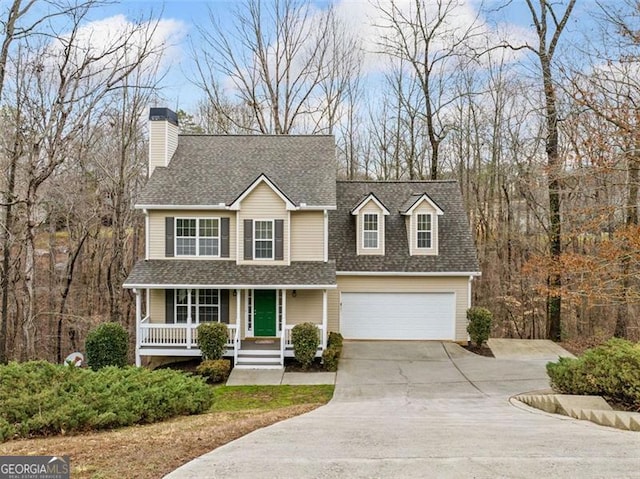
{"points": [[157, 144], [307, 236], [370, 207], [157, 233], [423, 208], [156, 306], [408, 284], [305, 307], [263, 204]]}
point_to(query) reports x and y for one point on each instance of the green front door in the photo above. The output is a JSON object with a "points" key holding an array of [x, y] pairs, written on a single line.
{"points": [[264, 315]]}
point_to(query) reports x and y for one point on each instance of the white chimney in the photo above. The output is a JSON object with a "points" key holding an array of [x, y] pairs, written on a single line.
{"points": [[163, 137]]}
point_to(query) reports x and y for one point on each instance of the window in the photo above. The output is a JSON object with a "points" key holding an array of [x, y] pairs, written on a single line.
{"points": [[263, 239], [197, 236], [370, 233], [424, 231], [205, 305]]}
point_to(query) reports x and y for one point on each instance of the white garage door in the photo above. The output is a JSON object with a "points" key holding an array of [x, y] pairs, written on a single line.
{"points": [[398, 315]]}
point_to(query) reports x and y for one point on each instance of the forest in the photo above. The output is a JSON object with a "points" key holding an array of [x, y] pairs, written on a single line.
{"points": [[539, 124]]}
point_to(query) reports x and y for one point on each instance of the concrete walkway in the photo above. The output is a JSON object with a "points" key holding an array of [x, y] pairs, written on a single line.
{"points": [[527, 349], [420, 409], [265, 377]]}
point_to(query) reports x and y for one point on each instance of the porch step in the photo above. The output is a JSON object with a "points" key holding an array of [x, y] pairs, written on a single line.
{"points": [[258, 359]]}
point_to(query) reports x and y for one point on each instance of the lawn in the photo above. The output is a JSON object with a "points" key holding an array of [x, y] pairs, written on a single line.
{"points": [[154, 450]]}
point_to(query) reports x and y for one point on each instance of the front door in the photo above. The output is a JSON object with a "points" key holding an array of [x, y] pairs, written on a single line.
{"points": [[264, 316]]}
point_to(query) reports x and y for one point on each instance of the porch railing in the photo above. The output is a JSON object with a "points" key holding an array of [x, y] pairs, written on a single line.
{"points": [[178, 335]]}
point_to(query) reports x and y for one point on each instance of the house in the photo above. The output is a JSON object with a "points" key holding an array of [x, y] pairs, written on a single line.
{"points": [[255, 232]]}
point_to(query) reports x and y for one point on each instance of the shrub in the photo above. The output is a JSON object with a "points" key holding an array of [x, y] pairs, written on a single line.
{"points": [[331, 355], [107, 346], [479, 327], [214, 370], [611, 370], [39, 398], [212, 338], [335, 339], [306, 340]]}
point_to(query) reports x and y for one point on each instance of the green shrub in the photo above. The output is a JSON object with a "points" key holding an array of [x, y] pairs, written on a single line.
{"points": [[212, 338], [39, 398], [305, 339], [611, 370], [107, 346], [214, 370], [335, 339], [479, 327]]}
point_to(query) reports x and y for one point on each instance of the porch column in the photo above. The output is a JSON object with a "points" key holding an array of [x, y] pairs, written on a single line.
{"points": [[138, 294], [324, 319], [189, 319], [238, 303], [284, 311]]}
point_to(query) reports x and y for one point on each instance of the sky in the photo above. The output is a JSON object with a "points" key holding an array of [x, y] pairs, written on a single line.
{"points": [[179, 20]]}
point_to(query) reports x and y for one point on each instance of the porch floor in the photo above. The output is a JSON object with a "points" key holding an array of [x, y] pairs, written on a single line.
{"points": [[261, 344]]}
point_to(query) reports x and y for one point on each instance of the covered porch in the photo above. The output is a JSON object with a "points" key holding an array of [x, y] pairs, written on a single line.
{"points": [[259, 316]]}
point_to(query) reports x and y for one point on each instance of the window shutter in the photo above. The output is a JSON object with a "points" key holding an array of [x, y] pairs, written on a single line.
{"points": [[279, 246], [248, 239], [168, 306], [224, 306], [224, 237], [168, 237]]}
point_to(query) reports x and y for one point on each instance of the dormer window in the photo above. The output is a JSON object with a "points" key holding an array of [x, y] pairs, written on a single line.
{"points": [[370, 231], [424, 231]]}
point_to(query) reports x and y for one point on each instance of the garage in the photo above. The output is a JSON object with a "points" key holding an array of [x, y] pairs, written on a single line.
{"points": [[398, 316]]}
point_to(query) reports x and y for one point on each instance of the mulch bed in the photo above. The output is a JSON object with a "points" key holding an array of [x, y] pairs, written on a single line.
{"points": [[483, 351], [293, 366]]}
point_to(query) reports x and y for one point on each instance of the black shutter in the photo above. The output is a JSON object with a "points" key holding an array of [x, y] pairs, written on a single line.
{"points": [[248, 239], [224, 306], [168, 306], [224, 237], [168, 237], [279, 247]]}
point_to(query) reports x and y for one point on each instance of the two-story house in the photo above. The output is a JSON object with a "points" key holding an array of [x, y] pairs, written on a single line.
{"points": [[255, 232]]}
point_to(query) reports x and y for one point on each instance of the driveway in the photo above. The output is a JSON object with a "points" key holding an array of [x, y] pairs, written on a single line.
{"points": [[422, 410]]}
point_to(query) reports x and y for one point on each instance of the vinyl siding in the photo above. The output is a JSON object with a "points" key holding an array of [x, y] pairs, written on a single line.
{"points": [[163, 141], [157, 225], [305, 307], [423, 208], [263, 204], [406, 284], [370, 207], [157, 306], [307, 236]]}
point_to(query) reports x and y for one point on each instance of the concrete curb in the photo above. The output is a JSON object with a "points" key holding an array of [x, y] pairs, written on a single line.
{"points": [[586, 408]]}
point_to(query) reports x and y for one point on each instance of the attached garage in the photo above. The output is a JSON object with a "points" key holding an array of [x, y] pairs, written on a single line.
{"points": [[398, 315]]}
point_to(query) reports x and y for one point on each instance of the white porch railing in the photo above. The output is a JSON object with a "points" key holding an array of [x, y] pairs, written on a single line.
{"points": [[178, 335], [288, 344], [236, 343]]}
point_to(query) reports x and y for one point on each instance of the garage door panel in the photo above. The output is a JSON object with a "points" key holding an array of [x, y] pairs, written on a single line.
{"points": [[397, 315]]}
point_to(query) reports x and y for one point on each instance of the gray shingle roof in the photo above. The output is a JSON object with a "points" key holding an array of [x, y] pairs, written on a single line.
{"points": [[187, 272], [212, 169], [456, 251]]}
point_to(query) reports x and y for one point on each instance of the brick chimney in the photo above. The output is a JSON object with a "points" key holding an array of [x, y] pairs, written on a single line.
{"points": [[163, 137]]}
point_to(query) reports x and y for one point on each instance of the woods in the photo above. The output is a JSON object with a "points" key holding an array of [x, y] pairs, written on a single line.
{"points": [[539, 126]]}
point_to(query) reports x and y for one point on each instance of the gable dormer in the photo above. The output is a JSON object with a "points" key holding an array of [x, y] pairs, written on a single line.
{"points": [[370, 225], [422, 214]]}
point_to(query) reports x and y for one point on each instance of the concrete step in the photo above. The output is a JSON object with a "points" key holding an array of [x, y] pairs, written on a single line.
{"points": [[258, 360], [258, 352], [257, 366]]}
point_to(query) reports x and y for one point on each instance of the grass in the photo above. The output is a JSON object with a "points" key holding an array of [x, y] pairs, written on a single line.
{"points": [[154, 450]]}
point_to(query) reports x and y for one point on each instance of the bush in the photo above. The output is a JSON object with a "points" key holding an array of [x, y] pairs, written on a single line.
{"points": [[611, 370], [331, 355], [305, 339], [107, 346], [479, 327], [40, 398], [335, 339], [212, 338], [214, 370]]}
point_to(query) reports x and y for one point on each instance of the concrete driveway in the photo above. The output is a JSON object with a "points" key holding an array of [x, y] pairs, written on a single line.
{"points": [[422, 410]]}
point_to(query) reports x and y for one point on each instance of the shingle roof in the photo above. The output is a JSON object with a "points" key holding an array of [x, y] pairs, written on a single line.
{"points": [[187, 272], [212, 169], [456, 251]]}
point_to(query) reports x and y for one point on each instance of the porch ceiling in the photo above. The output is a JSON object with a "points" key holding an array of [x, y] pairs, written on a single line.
{"points": [[160, 273]]}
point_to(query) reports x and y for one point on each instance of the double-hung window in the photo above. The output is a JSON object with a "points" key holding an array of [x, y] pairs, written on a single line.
{"points": [[205, 305], [370, 230], [197, 237], [263, 239], [424, 231]]}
